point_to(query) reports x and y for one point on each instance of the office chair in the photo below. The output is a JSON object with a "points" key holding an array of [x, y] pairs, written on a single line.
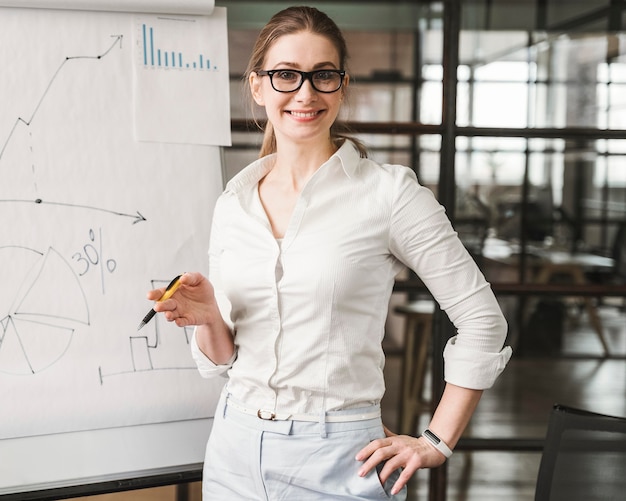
{"points": [[584, 457]]}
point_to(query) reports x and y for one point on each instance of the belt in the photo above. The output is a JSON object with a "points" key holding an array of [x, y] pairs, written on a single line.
{"points": [[342, 417]]}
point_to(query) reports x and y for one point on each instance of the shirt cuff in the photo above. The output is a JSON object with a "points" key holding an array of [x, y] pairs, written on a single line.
{"points": [[473, 369], [206, 367]]}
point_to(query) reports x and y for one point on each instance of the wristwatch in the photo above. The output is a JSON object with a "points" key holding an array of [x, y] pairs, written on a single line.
{"points": [[437, 443]]}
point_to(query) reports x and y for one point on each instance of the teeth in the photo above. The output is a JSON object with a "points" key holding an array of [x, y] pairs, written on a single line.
{"points": [[304, 115]]}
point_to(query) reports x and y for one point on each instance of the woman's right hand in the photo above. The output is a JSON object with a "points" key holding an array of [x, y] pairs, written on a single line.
{"points": [[192, 304]]}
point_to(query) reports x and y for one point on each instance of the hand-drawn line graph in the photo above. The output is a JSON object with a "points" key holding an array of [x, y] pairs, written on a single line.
{"points": [[27, 121], [37, 321], [158, 350]]}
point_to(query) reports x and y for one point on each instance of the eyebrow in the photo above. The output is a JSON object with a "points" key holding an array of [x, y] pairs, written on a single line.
{"points": [[316, 66]]}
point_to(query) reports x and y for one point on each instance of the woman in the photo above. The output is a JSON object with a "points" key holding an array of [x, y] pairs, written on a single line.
{"points": [[305, 245]]}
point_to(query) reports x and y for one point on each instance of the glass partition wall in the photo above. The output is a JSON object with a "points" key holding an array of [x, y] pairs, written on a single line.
{"points": [[540, 105], [569, 85], [513, 112]]}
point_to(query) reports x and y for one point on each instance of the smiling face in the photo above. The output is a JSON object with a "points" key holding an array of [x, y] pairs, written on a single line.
{"points": [[304, 116]]}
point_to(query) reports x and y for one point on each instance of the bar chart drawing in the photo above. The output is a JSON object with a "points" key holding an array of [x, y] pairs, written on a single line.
{"points": [[157, 56], [176, 58], [164, 347]]}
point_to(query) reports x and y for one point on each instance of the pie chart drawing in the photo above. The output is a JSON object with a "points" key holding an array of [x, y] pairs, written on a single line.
{"points": [[41, 304]]}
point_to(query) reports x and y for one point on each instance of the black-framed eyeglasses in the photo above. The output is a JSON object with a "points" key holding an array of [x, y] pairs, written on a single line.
{"points": [[326, 81]]}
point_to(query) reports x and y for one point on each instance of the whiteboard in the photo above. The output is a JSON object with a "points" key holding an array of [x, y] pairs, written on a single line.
{"points": [[96, 208]]}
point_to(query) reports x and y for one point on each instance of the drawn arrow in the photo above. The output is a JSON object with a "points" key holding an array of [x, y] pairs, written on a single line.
{"points": [[137, 217]]}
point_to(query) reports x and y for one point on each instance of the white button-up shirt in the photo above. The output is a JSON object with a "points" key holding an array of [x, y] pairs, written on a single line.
{"points": [[308, 313]]}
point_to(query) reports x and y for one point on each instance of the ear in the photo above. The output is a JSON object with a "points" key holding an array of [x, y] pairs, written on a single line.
{"points": [[346, 82], [255, 81]]}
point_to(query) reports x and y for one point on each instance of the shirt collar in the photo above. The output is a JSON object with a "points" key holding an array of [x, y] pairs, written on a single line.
{"points": [[347, 155], [250, 175]]}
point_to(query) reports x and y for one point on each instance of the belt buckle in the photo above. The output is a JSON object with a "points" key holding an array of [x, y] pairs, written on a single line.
{"points": [[266, 415]]}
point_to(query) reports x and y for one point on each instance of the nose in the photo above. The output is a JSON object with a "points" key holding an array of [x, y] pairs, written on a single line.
{"points": [[306, 90]]}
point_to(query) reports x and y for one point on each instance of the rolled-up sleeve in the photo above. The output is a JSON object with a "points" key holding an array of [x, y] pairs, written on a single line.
{"points": [[424, 240], [484, 367]]}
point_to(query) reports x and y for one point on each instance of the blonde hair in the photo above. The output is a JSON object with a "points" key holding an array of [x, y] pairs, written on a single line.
{"points": [[286, 22]]}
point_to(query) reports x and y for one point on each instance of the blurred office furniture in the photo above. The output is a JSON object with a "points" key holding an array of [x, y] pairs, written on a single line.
{"points": [[568, 267], [584, 457], [416, 341], [617, 273], [538, 219], [549, 265], [473, 231], [472, 222], [545, 328], [619, 253]]}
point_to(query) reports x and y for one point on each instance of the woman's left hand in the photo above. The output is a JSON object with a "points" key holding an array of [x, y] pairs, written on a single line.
{"points": [[398, 451]]}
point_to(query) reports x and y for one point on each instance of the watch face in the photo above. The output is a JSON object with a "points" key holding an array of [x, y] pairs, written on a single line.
{"points": [[432, 437]]}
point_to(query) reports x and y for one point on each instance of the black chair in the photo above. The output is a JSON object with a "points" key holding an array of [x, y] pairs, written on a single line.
{"points": [[584, 457]]}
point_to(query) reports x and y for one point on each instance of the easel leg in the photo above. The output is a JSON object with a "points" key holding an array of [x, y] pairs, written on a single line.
{"points": [[182, 492]]}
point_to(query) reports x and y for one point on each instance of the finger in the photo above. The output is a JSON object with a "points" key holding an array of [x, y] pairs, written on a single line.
{"points": [[181, 322], [368, 450], [172, 314], [377, 457], [155, 294], [191, 278], [403, 479], [392, 464], [186, 279], [386, 471], [163, 306]]}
